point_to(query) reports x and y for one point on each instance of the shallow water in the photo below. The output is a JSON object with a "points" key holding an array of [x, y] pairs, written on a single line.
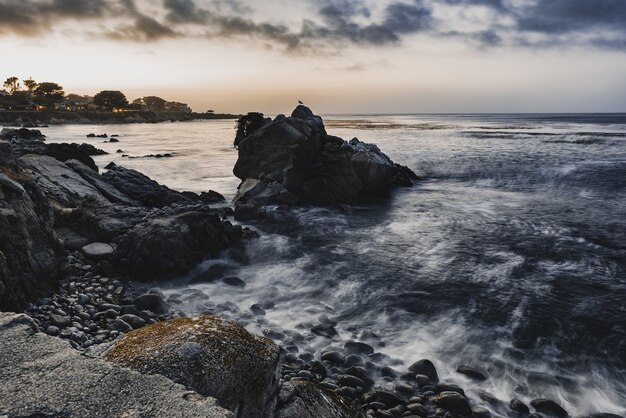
{"points": [[510, 255]]}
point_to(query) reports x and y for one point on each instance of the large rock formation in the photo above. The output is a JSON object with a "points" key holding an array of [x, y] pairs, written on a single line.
{"points": [[51, 196], [211, 356], [293, 159], [42, 376]]}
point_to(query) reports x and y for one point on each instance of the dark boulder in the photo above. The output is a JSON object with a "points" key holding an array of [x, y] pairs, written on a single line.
{"points": [[20, 134], [453, 402], [165, 246], [294, 157], [549, 407], [426, 368]]}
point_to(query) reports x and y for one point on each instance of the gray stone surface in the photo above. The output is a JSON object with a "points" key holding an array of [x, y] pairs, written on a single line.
{"points": [[310, 400], [98, 250], [42, 376]]}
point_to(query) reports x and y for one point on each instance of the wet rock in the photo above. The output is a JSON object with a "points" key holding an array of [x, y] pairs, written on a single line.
{"points": [[222, 360], [447, 387], [471, 373], [134, 321], [480, 412], [121, 326], [60, 321], [426, 368], [234, 281], [150, 302], [295, 157], [519, 406], [257, 309], [325, 330], [334, 357], [358, 348], [417, 409], [549, 407], [384, 396], [453, 402], [311, 400]]}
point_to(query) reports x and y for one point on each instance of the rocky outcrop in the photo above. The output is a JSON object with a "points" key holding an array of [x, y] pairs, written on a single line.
{"points": [[186, 237], [30, 255], [44, 187], [22, 133], [41, 376], [149, 192], [302, 399], [293, 159], [209, 355]]}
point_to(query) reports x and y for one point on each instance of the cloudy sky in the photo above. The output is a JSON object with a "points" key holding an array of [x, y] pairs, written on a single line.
{"points": [[339, 56]]}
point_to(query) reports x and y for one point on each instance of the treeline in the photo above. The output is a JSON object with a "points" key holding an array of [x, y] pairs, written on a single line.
{"points": [[44, 96]]}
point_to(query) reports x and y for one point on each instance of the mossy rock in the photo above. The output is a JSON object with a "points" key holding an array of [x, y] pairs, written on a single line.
{"points": [[210, 355]]}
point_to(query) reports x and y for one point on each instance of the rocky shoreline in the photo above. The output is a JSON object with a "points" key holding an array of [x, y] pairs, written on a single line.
{"points": [[32, 119], [76, 247]]}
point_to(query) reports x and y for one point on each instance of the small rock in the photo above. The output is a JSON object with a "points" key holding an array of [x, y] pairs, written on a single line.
{"points": [[325, 330], [150, 302], [134, 321], [405, 388], [234, 281], [358, 348], [417, 409], [549, 407], [519, 406], [453, 402], [52, 330], [257, 309], [60, 321], [471, 373], [334, 357], [425, 367], [352, 381]]}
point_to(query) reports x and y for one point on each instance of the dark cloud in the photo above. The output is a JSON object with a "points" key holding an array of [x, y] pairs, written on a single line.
{"points": [[597, 23], [562, 16], [32, 17], [185, 11]]}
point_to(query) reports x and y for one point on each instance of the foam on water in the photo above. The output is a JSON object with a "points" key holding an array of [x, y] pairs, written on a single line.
{"points": [[510, 255]]}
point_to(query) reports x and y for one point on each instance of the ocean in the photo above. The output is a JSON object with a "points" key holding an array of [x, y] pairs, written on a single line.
{"points": [[508, 255]]}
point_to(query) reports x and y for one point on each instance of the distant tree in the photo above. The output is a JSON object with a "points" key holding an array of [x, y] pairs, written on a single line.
{"points": [[111, 99], [78, 99], [154, 103], [19, 100], [30, 84], [247, 125], [48, 93], [12, 83], [177, 107]]}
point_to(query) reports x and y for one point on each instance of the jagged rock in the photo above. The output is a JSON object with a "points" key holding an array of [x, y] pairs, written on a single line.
{"points": [[29, 251], [302, 399], [293, 157], [42, 376], [186, 238], [22, 133], [210, 355], [150, 193]]}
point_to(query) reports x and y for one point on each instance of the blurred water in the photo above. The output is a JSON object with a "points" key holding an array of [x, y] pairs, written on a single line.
{"points": [[510, 255]]}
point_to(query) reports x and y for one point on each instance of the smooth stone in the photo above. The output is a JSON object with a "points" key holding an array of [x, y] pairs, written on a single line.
{"points": [[133, 320], [405, 388], [234, 281], [417, 409], [334, 357], [325, 330], [150, 302], [425, 367], [97, 250], [52, 330], [122, 326], [549, 407], [352, 381], [60, 321], [354, 360], [519, 406], [257, 309], [358, 348], [453, 402], [471, 373]]}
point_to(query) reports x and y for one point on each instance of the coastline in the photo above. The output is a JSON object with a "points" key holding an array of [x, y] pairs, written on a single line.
{"points": [[346, 364], [34, 119]]}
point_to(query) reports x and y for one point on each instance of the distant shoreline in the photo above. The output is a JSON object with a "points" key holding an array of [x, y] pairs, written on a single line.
{"points": [[34, 119]]}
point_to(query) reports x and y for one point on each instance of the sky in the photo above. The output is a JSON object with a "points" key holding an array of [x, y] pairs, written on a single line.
{"points": [[338, 56]]}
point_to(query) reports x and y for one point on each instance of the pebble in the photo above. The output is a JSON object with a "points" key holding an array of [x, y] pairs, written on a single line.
{"points": [[52, 330], [60, 321], [471, 372], [334, 357], [257, 309], [325, 330], [519, 406], [358, 348], [234, 281]]}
